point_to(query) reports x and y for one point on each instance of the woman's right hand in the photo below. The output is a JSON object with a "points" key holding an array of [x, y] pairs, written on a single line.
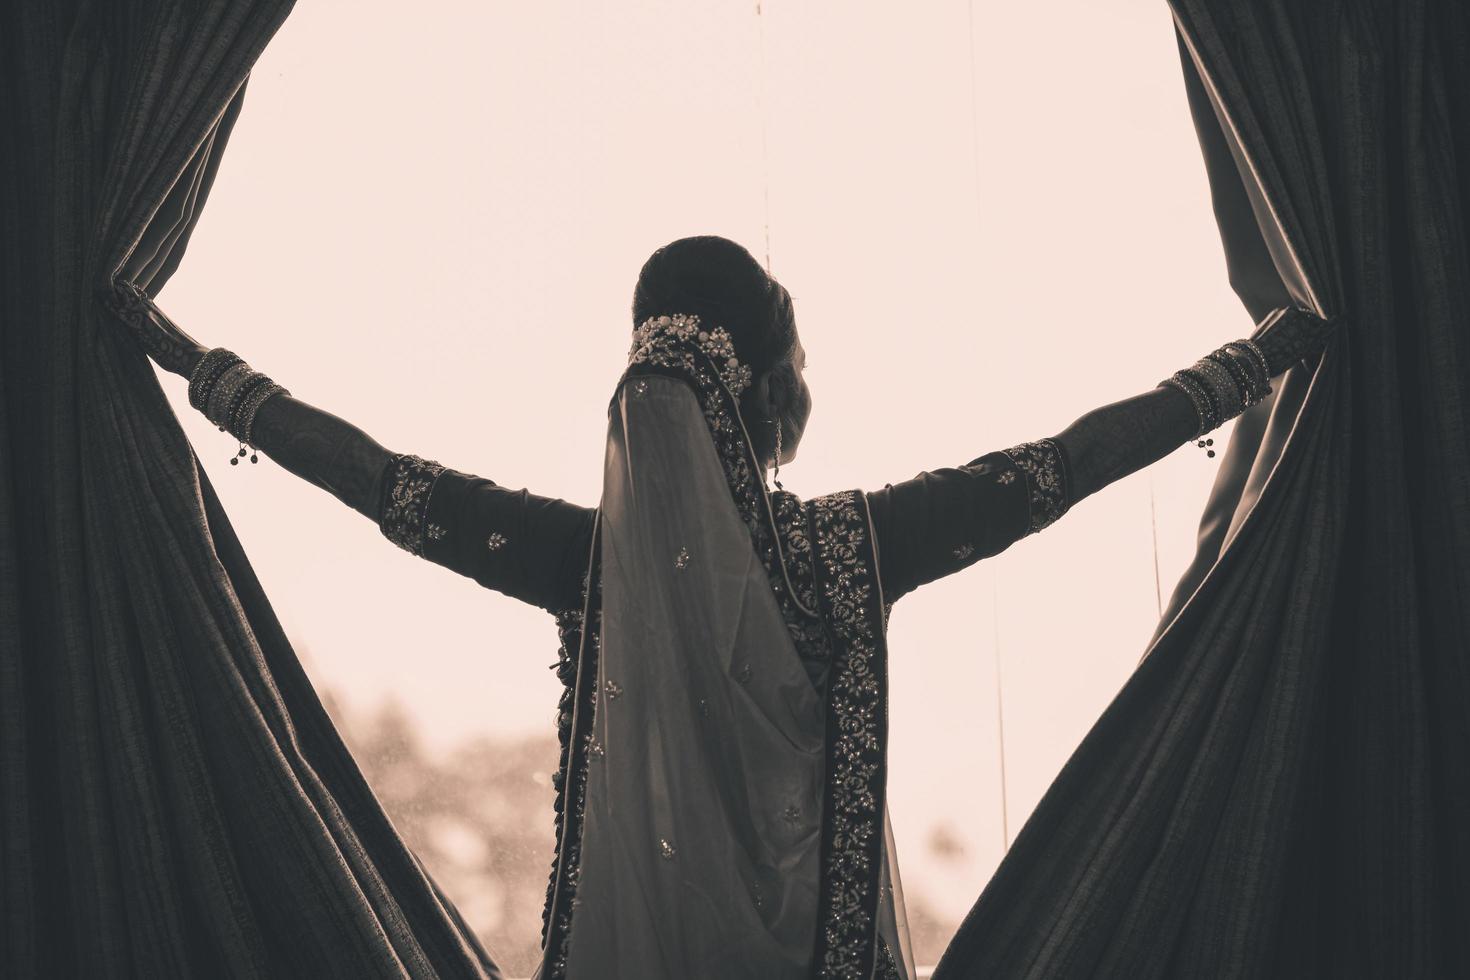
{"points": [[163, 340], [1292, 337]]}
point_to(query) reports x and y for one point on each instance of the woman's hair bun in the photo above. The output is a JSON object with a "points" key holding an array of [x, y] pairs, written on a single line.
{"points": [[722, 283]]}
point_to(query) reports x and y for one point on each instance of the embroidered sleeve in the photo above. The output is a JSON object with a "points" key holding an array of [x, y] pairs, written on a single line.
{"points": [[1043, 464], [404, 515], [528, 547], [946, 520]]}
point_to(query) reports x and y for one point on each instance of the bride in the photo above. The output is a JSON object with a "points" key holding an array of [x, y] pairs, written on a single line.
{"points": [[720, 805]]}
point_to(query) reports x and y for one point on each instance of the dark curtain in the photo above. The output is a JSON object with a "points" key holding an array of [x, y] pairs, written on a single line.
{"points": [[1282, 789], [174, 801]]}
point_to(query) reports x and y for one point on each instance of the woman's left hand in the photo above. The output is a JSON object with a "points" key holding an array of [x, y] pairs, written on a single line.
{"points": [[163, 340], [1292, 337]]}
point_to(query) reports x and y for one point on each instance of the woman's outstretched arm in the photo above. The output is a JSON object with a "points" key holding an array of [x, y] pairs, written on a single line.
{"points": [[1111, 442], [323, 450], [315, 445], [947, 519], [529, 547]]}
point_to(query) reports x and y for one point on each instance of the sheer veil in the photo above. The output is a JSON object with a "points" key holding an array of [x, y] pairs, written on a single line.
{"points": [[706, 755]]}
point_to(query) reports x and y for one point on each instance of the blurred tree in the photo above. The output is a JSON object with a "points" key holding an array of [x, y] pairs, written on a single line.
{"points": [[479, 817]]}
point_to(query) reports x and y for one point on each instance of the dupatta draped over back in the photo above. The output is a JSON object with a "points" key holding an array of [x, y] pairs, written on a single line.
{"points": [[720, 806]]}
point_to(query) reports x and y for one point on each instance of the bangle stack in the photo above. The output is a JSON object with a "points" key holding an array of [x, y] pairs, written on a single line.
{"points": [[230, 393], [207, 372], [1199, 396], [1249, 357], [1223, 384]]}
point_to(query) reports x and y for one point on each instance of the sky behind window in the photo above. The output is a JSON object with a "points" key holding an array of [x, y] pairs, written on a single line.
{"points": [[991, 219]]}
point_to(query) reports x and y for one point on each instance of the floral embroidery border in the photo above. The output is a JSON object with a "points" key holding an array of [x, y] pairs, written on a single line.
{"points": [[404, 510], [809, 633], [580, 631], [1044, 465], [857, 737]]}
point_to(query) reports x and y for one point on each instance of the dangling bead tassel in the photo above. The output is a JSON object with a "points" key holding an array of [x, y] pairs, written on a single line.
{"points": [[235, 460], [1205, 444], [776, 473]]}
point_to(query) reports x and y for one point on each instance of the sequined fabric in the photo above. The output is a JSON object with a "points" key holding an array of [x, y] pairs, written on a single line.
{"points": [[887, 968], [857, 730], [580, 633], [1044, 466], [671, 340], [807, 631], [405, 508]]}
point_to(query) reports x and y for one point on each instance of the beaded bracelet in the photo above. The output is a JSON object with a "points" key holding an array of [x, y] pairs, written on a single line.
{"points": [[1240, 375], [207, 372], [1249, 353], [209, 384], [1223, 384], [251, 385], [230, 393], [1228, 397], [246, 431], [1184, 382], [223, 393]]}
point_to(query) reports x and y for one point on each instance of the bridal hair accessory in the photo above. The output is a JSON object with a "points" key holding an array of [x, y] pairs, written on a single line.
{"points": [[714, 342], [1221, 385], [230, 392], [657, 341]]}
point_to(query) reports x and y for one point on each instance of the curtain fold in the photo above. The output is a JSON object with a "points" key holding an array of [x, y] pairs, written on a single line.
{"points": [[1281, 789], [174, 801]]}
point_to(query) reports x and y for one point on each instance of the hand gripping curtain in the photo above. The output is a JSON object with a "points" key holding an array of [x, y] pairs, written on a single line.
{"points": [[1281, 789], [174, 801]]}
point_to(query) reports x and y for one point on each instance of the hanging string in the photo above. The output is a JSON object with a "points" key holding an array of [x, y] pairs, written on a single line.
{"points": [[1153, 518], [1000, 718], [974, 118], [760, 22]]}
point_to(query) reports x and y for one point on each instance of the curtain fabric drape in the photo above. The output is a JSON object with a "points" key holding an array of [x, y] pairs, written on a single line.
{"points": [[1281, 788], [174, 801]]}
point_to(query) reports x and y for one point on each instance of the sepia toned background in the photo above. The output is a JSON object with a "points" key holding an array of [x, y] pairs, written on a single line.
{"points": [[992, 217]]}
